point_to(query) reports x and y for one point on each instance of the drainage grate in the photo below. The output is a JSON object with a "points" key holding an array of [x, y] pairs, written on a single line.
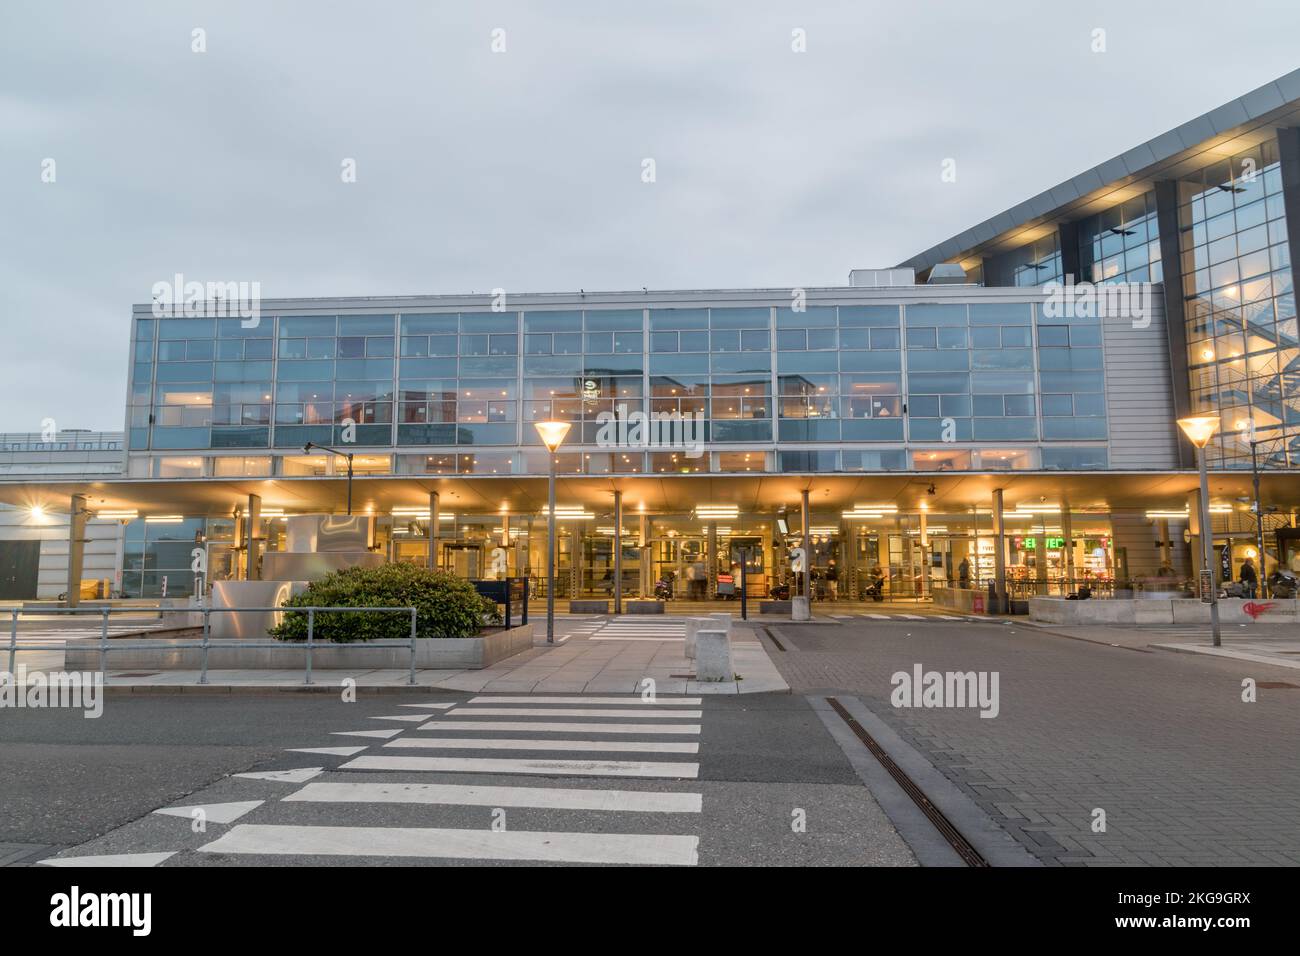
{"points": [[772, 637], [959, 843], [1276, 685], [140, 674]]}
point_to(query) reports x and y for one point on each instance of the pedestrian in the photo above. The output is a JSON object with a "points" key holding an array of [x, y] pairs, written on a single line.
{"points": [[963, 573], [1249, 578]]}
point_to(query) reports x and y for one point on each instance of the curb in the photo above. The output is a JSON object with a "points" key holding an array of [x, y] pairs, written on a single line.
{"points": [[361, 690]]}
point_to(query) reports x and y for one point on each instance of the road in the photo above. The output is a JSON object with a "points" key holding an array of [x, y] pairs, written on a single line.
{"points": [[1186, 772], [1183, 770], [423, 779]]}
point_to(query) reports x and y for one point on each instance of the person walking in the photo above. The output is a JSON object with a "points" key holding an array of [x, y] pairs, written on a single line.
{"points": [[1249, 577], [963, 573]]}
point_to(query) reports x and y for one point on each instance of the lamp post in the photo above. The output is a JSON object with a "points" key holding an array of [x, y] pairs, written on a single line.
{"points": [[552, 435], [1199, 430], [342, 454]]}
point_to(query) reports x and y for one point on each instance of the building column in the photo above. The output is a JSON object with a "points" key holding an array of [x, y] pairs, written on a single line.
{"points": [[999, 553], [1040, 563], [647, 562], [1166, 546], [505, 541], [1067, 533], [1171, 260], [254, 518], [434, 500], [806, 520], [1288, 150], [923, 539], [618, 552], [1194, 527], [76, 547], [711, 565]]}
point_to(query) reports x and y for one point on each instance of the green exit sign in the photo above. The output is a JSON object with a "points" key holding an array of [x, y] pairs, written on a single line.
{"points": [[1056, 542]]}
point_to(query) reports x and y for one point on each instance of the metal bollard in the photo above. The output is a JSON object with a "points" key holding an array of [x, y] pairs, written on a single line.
{"points": [[411, 679], [207, 628], [13, 639], [103, 644], [311, 626]]}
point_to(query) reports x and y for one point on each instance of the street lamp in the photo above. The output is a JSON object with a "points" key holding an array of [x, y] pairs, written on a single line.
{"points": [[552, 434], [1199, 430], [342, 454]]}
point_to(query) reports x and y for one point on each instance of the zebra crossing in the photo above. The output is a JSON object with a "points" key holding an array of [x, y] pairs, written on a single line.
{"points": [[634, 628], [620, 791]]}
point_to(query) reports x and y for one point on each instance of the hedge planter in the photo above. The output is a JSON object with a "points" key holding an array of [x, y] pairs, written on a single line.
{"points": [[451, 653]]}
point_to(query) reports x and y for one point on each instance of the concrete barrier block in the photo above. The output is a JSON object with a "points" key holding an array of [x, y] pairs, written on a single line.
{"points": [[800, 609], [713, 656], [692, 627], [588, 607], [645, 607], [722, 620]]}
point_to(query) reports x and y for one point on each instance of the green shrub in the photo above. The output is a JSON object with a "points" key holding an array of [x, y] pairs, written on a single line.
{"points": [[446, 606]]}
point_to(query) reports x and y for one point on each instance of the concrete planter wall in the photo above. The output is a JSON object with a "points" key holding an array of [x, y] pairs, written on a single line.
{"points": [[644, 607], [1149, 610], [588, 607], [454, 653], [959, 599]]}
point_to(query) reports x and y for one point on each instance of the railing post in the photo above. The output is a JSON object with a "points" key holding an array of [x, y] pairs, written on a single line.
{"points": [[13, 640], [411, 680], [311, 627], [103, 644], [207, 628]]}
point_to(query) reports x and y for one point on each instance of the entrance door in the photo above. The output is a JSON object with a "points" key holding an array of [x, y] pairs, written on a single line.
{"points": [[19, 564], [463, 560]]}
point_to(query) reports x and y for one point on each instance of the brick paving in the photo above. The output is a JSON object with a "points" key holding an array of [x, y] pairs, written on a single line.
{"points": [[1186, 772]]}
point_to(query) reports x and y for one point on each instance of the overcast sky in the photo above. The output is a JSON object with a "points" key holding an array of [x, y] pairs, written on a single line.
{"points": [[523, 169]]}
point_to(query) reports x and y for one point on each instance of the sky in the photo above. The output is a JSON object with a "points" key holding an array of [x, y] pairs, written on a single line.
{"points": [[504, 145]]}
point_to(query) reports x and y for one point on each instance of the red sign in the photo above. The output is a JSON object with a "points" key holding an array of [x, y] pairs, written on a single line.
{"points": [[1255, 610]]}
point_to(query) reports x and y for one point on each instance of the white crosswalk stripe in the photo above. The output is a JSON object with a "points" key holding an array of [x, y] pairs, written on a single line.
{"points": [[511, 737], [586, 779]]}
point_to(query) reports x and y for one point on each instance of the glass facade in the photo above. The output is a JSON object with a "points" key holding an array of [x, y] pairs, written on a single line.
{"points": [[1239, 295], [457, 393]]}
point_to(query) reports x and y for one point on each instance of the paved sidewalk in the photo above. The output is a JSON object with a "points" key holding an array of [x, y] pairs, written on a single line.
{"points": [[584, 660], [1276, 644]]}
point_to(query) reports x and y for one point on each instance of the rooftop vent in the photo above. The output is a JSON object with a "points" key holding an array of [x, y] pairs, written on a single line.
{"points": [[947, 273], [882, 278]]}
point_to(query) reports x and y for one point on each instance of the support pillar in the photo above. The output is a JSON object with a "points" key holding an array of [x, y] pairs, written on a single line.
{"points": [[1194, 526], [434, 521], [923, 540], [76, 547], [618, 552], [805, 527], [999, 553], [254, 519], [647, 559], [711, 564], [1067, 536]]}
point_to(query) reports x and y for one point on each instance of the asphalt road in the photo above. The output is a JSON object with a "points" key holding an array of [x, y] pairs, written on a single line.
{"points": [[774, 787], [1185, 771]]}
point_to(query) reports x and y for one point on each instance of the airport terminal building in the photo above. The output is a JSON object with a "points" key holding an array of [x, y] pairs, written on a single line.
{"points": [[977, 413]]}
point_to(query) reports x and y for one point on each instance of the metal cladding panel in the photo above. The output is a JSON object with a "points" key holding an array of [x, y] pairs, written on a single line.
{"points": [[1139, 389]]}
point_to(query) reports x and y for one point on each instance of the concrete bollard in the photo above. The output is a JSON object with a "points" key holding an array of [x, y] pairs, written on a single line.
{"points": [[799, 609], [722, 621], [692, 627], [713, 656]]}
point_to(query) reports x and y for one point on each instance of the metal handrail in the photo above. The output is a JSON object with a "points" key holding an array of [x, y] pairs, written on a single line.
{"points": [[205, 644]]}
